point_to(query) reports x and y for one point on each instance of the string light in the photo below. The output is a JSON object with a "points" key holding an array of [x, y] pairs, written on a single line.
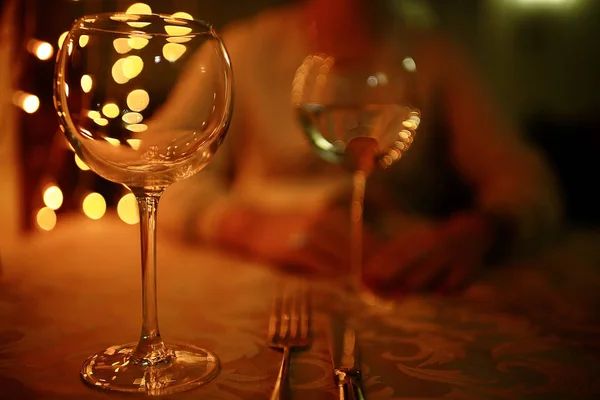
{"points": [[40, 49], [46, 219], [53, 197], [94, 206], [27, 101], [127, 209]]}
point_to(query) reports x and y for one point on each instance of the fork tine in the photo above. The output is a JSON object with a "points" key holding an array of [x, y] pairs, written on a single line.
{"points": [[304, 312], [276, 312], [295, 315], [284, 315]]}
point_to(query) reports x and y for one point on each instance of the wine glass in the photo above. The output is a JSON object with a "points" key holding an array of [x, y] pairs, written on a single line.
{"points": [[361, 113], [145, 101]]}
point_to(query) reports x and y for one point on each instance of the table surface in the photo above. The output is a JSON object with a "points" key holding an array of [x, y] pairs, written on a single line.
{"points": [[529, 330]]}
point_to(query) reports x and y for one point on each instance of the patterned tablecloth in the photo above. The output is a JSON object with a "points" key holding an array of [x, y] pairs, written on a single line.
{"points": [[525, 331]]}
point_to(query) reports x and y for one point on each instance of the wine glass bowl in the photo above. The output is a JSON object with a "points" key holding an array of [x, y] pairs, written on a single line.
{"points": [[362, 115], [145, 101]]}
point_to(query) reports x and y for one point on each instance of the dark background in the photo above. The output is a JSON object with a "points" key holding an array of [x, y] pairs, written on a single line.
{"points": [[540, 58]]}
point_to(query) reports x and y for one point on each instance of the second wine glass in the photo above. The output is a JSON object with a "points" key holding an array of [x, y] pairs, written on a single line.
{"points": [[362, 114]]}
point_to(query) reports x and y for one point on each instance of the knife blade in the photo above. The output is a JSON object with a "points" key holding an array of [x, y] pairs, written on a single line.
{"points": [[345, 359]]}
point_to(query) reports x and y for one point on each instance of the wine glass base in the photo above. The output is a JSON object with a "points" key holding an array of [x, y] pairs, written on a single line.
{"points": [[114, 370]]}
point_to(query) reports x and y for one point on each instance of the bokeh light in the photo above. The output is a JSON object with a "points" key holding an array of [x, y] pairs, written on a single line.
{"points": [[86, 83], [80, 164], [46, 218], [94, 206], [138, 100], [53, 197], [127, 209], [172, 51], [111, 110]]}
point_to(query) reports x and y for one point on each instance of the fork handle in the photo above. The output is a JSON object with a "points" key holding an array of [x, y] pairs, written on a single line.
{"points": [[281, 391]]}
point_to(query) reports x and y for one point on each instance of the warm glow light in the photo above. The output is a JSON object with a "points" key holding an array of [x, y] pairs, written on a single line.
{"points": [[94, 206], [121, 45], [132, 66], [137, 127], [132, 118], [409, 64], [83, 40], [139, 8], [86, 83], [28, 102], [53, 197], [134, 143], [138, 100], [136, 42], [173, 30], [46, 218], [179, 39], [42, 50], [67, 89], [61, 39], [80, 164], [113, 141], [101, 121], [94, 114], [127, 209], [111, 110], [182, 15], [118, 73], [172, 51]]}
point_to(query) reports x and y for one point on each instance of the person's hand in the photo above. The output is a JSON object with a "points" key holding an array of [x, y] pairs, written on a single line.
{"points": [[303, 242], [438, 257]]}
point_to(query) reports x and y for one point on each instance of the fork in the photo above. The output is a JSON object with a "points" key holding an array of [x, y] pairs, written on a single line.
{"points": [[288, 331]]}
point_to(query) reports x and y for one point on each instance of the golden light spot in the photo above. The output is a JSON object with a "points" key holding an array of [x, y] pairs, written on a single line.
{"points": [[137, 43], [137, 127], [409, 64], [172, 51], [42, 50], [111, 110], [61, 39], [132, 118], [117, 72], [139, 8], [101, 121], [86, 83], [409, 123], [179, 39], [134, 143], [94, 206], [121, 45], [132, 66], [80, 164], [182, 15], [46, 218], [127, 209], [53, 197], [138, 100], [113, 141], [404, 134], [174, 30], [83, 40], [67, 89], [29, 103], [94, 114]]}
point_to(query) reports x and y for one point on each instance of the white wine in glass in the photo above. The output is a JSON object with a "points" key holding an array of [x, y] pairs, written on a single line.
{"points": [[145, 101], [361, 116]]}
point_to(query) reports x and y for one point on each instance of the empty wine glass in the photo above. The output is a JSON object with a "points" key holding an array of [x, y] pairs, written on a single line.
{"points": [[361, 113], [145, 100]]}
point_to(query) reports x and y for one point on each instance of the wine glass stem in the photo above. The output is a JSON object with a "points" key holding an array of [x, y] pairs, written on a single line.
{"points": [[151, 349], [356, 228]]}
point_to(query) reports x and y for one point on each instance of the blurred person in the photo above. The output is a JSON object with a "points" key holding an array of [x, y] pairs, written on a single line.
{"points": [[470, 191]]}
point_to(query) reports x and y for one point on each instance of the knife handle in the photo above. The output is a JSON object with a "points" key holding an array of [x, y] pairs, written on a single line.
{"points": [[348, 388]]}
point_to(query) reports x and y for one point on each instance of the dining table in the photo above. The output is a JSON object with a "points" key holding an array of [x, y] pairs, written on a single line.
{"points": [[528, 329]]}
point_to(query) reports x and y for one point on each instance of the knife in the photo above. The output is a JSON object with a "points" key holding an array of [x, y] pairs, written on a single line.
{"points": [[346, 364]]}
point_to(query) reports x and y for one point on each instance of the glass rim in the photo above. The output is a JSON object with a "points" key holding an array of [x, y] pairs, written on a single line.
{"points": [[86, 23]]}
